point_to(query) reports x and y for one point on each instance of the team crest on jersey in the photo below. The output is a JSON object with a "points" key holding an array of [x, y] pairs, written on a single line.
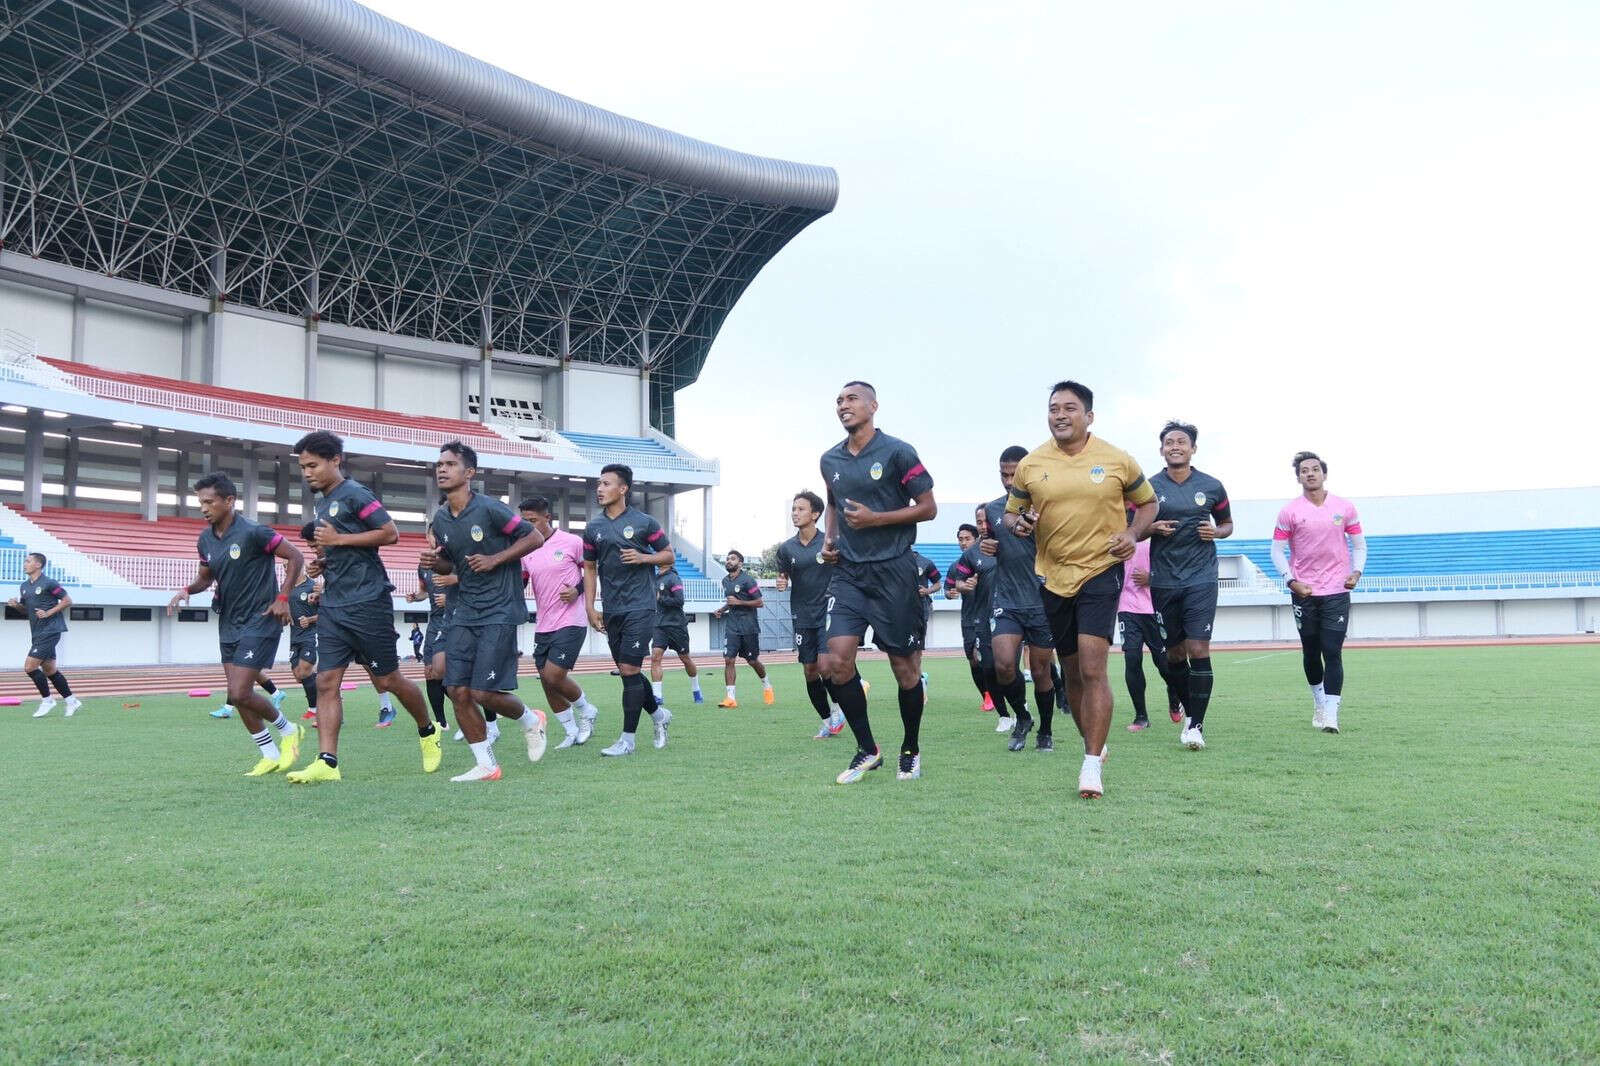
{"points": [[477, 533], [559, 555], [302, 597], [333, 508], [233, 551], [1097, 474], [1199, 499], [876, 471], [1338, 519], [819, 559], [627, 532]]}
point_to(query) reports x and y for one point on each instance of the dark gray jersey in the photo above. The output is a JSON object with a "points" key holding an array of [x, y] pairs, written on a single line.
{"points": [[1183, 559], [669, 600], [241, 559], [975, 605], [625, 588], [43, 595], [352, 575], [301, 606], [741, 620], [886, 476], [928, 577], [485, 526], [429, 581], [1016, 582], [808, 579]]}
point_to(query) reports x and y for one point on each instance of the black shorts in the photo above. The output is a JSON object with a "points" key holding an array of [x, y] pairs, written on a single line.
{"points": [[560, 646], [881, 595], [44, 648], [672, 638], [1091, 613], [807, 643], [745, 646], [1185, 614], [358, 632], [435, 639], [483, 658], [974, 642], [303, 651], [1316, 615], [255, 650], [1140, 631], [1029, 622], [629, 636]]}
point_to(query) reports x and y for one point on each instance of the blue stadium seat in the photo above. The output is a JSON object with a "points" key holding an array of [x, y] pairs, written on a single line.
{"points": [[622, 449], [1520, 551]]}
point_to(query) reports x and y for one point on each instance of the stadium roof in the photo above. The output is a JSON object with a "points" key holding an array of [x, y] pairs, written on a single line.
{"points": [[312, 156]]}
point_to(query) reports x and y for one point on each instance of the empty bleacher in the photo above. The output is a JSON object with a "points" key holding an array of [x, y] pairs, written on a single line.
{"points": [[941, 555], [635, 451]]}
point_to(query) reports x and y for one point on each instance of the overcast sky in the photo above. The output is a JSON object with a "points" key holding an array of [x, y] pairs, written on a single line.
{"points": [[1368, 229]]}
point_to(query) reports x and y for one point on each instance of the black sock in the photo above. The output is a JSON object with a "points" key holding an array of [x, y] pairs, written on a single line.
{"points": [[40, 682], [59, 680], [436, 700], [991, 685], [1016, 695], [329, 758], [1133, 677], [310, 687], [647, 695], [1059, 686], [817, 689], [488, 715], [977, 678], [633, 701], [267, 686], [911, 703], [1178, 679], [1200, 679], [1046, 702], [853, 702]]}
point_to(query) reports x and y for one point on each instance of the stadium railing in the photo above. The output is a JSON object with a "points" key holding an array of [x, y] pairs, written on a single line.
{"points": [[11, 572]]}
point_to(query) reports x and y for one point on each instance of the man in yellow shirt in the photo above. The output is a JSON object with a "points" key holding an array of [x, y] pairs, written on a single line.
{"points": [[1068, 495]]}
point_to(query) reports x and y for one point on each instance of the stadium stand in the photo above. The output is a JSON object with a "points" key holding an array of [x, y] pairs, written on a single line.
{"points": [[941, 555]]}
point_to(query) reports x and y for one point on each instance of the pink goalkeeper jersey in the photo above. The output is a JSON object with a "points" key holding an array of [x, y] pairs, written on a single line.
{"points": [[1318, 554], [1136, 600], [555, 564]]}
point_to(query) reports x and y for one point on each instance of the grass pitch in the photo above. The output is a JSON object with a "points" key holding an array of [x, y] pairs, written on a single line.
{"points": [[1422, 888]]}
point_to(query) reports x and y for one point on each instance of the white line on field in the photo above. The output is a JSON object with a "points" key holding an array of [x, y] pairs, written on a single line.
{"points": [[1258, 658]]}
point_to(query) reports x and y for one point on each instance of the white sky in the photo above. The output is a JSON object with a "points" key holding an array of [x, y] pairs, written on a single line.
{"points": [[1368, 229]]}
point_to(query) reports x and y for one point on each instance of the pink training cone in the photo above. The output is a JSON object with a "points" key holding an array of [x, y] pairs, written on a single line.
{"points": [[348, 685], [10, 701], [199, 693]]}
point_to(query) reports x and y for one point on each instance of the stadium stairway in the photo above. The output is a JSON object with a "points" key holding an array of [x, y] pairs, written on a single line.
{"points": [[67, 564]]}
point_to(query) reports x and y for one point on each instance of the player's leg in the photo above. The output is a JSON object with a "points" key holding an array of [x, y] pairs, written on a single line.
{"points": [[658, 652], [560, 692], [1012, 697], [1333, 623], [254, 713], [913, 698], [689, 668], [730, 669], [752, 655], [1307, 621], [59, 681], [305, 672], [845, 625], [1198, 611], [629, 635], [1133, 669], [494, 686], [807, 652], [1041, 662], [34, 667], [1158, 658], [433, 682]]}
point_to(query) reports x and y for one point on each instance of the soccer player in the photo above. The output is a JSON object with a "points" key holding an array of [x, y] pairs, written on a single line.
{"points": [[554, 572], [878, 490], [303, 637], [1193, 515], [622, 546], [1019, 619], [741, 632], [1139, 631], [1308, 548], [971, 577], [671, 632], [1069, 495], [46, 604], [416, 639], [482, 542], [440, 592], [804, 575], [240, 556], [355, 619]]}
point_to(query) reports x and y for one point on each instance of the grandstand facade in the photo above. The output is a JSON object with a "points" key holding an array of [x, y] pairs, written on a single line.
{"points": [[224, 223]]}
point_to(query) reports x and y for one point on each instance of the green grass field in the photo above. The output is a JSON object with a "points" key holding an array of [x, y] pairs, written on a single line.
{"points": [[1423, 888]]}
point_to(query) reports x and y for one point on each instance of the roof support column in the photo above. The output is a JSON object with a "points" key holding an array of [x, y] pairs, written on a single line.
{"points": [[705, 545], [672, 514], [378, 391], [180, 482], [33, 461], [644, 383], [280, 489], [312, 318], [252, 484], [80, 315], [69, 470], [149, 475], [564, 377], [211, 366], [486, 364]]}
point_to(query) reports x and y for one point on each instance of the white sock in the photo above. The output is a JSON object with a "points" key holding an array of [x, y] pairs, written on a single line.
{"points": [[268, 746], [1318, 694], [583, 705], [766, 683], [483, 753], [1091, 762], [529, 720], [1332, 704], [657, 714], [695, 681], [383, 701], [731, 689], [655, 686], [283, 725], [627, 739], [568, 722]]}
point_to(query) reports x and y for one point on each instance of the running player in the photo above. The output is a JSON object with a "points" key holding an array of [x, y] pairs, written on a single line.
{"points": [[482, 542], [1069, 494], [1139, 631], [1193, 515], [878, 490], [355, 620], [671, 632], [46, 604], [303, 637], [1309, 550], [240, 556], [803, 574], [554, 572], [440, 592], [741, 631], [1019, 619], [971, 577], [622, 546]]}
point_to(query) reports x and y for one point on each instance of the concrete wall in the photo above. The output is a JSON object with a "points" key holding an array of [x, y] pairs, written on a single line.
{"points": [[351, 377], [603, 402], [128, 339], [419, 385], [40, 314], [262, 356]]}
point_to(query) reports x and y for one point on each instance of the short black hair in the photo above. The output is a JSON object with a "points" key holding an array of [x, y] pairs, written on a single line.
{"points": [[624, 473], [736, 551], [39, 556], [1084, 394], [967, 527], [1300, 457], [308, 532], [321, 443], [464, 452], [812, 498], [1187, 428], [869, 386], [222, 483], [536, 504], [1014, 454]]}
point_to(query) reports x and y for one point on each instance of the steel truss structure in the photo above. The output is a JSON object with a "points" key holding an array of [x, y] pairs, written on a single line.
{"points": [[312, 158]]}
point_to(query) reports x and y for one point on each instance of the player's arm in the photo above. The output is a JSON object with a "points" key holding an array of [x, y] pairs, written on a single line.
{"points": [[63, 603], [1138, 492], [591, 580], [784, 566], [959, 572], [1222, 515], [294, 567], [202, 581], [750, 595], [830, 554], [671, 597], [657, 539], [1358, 548]]}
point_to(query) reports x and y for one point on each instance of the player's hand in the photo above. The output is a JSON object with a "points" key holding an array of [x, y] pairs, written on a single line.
{"points": [[859, 516], [596, 623], [305, 623], [41, 612], [428, 557], [13, 602], [830, 553], [719, 612], [1164, 528], [1121, 545], [180, 597], [783, 582], [327, 536], [438, 600], [481, 564], [629, 556], [279, 610], [1353, 580], [989, 546], [314, 567], [569, 594], [1207, 531], [1300, 588], [1025, 523], [1141, 578]]}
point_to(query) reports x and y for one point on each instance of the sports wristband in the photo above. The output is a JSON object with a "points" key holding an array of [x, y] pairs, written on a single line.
{"points": [[283, 597]]}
